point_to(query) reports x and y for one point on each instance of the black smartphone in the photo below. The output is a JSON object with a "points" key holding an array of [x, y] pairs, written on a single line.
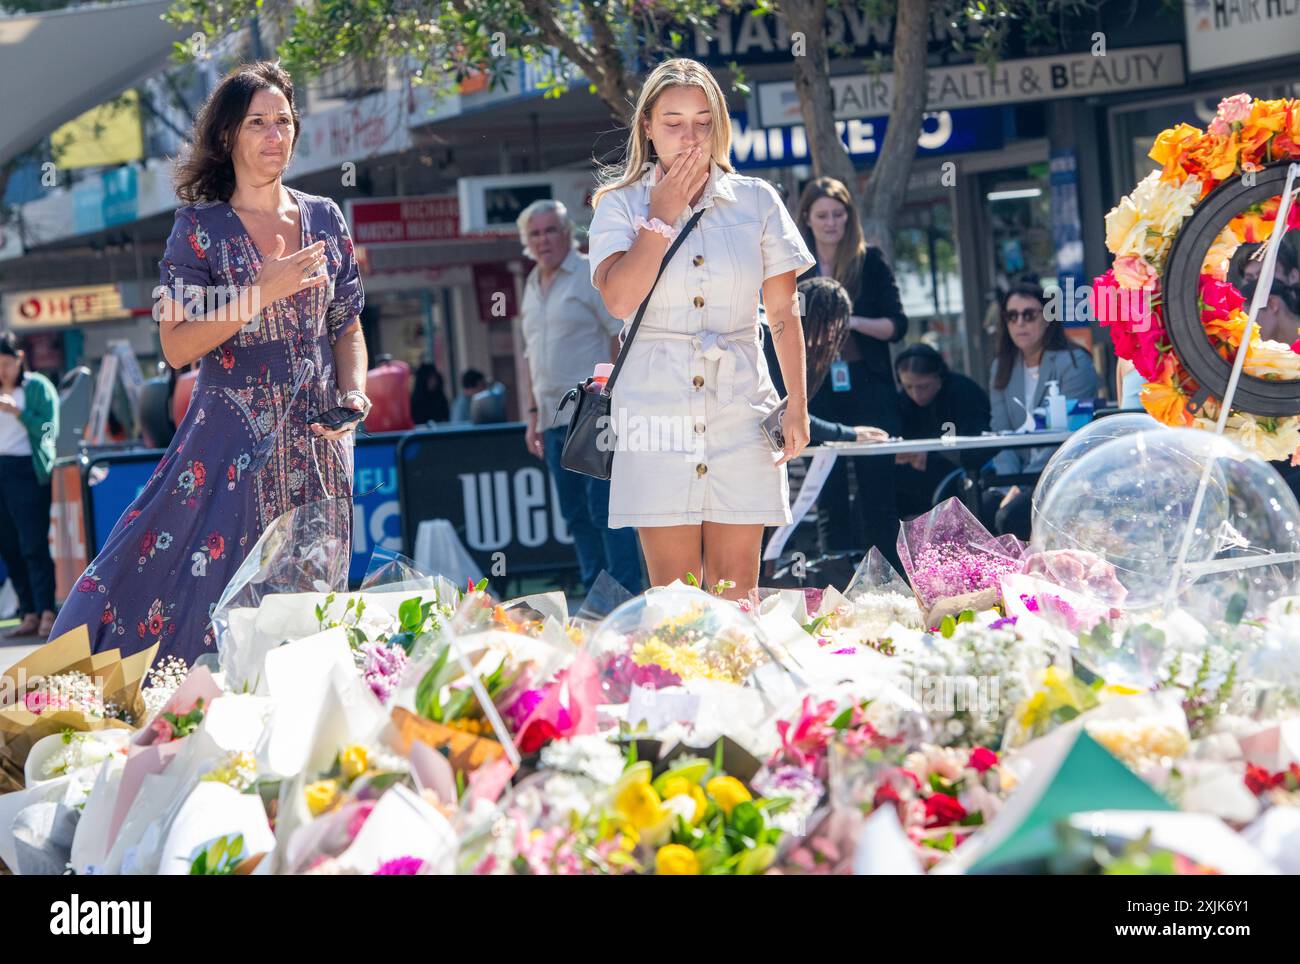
{"points": [[336, 418]]}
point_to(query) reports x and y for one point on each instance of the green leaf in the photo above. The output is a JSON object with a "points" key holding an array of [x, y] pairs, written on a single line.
{"points": [[966, 616], [426, 694], [948, 627], [458, 704], [814, 627], [755, 861], [748, 820], [843, 720], [1236, 609], [945, 843], [1064, 714], [408, 614]]}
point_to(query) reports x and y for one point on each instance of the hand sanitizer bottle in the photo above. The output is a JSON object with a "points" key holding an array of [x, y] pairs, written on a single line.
{"points": [[1057, 415]]}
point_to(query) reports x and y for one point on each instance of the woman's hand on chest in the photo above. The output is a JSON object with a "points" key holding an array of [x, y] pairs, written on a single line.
{"points": [[284, 276]]}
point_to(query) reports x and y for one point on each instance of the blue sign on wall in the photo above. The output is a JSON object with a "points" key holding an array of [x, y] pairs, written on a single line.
{"points": [[106, 199], [376, 516], [942, 132]]}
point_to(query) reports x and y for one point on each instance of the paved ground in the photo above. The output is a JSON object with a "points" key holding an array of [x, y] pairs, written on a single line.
{"points": [[12, 650]]}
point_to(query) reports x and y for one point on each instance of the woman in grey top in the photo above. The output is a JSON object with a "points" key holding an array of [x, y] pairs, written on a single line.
{"points": [[1032, 352]]}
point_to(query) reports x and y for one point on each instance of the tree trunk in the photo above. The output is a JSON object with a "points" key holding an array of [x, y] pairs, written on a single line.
{"points": [[887, 185], [812, 73], [601, 62]]}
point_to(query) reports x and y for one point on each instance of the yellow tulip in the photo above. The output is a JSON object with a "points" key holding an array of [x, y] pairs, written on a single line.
{"points": [[676, 860], [682, 787], [701, 804], [352, 761], [639, 803], [727, 792], [677, 787], [321, 796]]}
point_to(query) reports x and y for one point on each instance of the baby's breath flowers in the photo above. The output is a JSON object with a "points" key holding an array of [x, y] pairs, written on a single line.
{"points": [[163, 680]]}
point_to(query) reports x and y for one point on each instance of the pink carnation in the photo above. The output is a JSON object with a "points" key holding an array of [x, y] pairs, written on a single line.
{"points": [[1221, 298], [1233, 109], [1133, 271], [162, 730], [400, 867], [1134, 328]]}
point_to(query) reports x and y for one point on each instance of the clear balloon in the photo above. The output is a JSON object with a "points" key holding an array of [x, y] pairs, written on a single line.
{"points": [[1082, 442], [668, 636], [1187, 519]]}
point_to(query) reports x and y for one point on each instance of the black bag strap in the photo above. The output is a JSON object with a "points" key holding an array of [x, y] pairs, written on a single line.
{"points": [[627, 343]]}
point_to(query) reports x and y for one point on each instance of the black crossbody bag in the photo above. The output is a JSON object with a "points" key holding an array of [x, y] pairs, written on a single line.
{"points": [[589, 446]]}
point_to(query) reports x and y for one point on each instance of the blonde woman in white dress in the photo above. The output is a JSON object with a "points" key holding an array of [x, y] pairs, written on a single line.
{"points": [[693, 471]]}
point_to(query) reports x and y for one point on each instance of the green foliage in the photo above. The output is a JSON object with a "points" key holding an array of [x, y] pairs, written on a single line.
{"points": [[219, 858]]}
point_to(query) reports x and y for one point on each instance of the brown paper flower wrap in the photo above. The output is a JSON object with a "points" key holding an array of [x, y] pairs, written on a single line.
{"points": [[20, 728], [465, 751]]}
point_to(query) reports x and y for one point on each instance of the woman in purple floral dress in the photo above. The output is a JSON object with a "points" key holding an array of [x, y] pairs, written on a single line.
{"points": [[247, 450]]}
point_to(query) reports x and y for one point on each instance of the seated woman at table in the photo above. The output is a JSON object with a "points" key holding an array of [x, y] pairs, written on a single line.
{"points": [[1032, 351], [825, 304], [934, 403]]}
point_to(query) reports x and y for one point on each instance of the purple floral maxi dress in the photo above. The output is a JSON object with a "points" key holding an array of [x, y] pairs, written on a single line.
{"points": [[243, 454]]}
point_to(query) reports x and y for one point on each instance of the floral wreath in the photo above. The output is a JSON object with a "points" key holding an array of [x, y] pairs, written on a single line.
{"points": [[1245, 137]]}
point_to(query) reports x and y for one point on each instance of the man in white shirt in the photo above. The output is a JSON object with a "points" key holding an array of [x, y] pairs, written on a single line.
{"points": [[567, 333]]}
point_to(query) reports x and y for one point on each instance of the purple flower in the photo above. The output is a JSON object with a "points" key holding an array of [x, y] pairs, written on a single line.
{"points": [[383, 668], [523, 707], [1003, 622], [943, 569], [812, 599], [848, 649], [619, 674], [789, 781], [400, 867]]}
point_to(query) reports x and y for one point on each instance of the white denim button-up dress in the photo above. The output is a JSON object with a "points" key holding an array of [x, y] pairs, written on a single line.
{"points": [[693, 392]]}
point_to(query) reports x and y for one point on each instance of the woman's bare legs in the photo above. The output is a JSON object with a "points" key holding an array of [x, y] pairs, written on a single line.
{"points": [[671, 552], [731, 552], [713, 551]]}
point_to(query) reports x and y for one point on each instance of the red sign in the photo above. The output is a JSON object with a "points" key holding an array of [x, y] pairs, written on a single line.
{"points": [[50, 307], [494, 285], [432, 217]]}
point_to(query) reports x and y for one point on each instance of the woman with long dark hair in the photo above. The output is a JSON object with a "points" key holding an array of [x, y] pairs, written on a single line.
{"points": [[1032, 352], [860, 390], [29, 426], [259, 281]]}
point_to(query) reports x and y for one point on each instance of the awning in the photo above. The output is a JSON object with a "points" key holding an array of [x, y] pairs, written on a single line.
{"points": [[55, 65]]}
